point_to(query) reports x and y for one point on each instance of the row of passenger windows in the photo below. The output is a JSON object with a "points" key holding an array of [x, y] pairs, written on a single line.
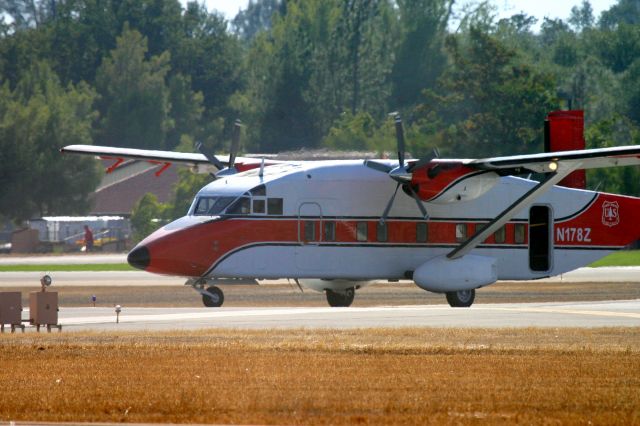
{"points": [[422, 232], [499, 237]]}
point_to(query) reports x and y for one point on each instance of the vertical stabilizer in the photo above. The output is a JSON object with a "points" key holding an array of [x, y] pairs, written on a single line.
{"points": [[564, 131]]}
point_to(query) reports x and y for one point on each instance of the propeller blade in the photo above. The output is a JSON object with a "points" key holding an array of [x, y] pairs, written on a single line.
{"points": [[425, 215], [400, 138], [212, 158], [235, 143], [384, 168], [425, 160], [389, 204]]}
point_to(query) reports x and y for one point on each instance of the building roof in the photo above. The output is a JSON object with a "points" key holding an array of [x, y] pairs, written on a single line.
{"points": [[118, 196]]}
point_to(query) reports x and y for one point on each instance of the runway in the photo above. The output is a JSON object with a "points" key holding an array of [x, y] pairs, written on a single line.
{"points": [[576, 314]]}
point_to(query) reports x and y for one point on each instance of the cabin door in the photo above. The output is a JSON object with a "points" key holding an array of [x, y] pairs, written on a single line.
{"points": [[540, 238]]}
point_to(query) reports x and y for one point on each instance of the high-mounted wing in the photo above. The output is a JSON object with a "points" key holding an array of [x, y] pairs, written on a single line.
{"points": [[190, 159], [225, 165], [547, 162]]}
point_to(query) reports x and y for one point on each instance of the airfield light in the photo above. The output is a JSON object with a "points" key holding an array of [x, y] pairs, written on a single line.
{"points": [[553, 166], [45, 281], [118, 310]]}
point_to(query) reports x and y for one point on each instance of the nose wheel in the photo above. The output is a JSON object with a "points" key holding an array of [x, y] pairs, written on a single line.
{"points": [[212, 297]]}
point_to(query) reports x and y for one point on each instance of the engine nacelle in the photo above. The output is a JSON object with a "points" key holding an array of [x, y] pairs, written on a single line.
{"points": [[441, 274], [444, 182], [332, 284]]}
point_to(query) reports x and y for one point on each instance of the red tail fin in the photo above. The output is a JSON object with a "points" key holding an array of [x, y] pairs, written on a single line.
{"points": [[564, 131]]}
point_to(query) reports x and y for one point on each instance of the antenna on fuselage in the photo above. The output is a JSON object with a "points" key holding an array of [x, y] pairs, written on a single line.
{"points": [[261, 173]]}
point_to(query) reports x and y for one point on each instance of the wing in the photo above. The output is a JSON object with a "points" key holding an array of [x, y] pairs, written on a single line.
{"points": [[198, 162], [548, 162]]}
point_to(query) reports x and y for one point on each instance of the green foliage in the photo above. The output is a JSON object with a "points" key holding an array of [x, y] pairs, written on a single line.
{"points": [[37, 119], [148, 215], [298, 73], [488, 103], [359, 133], [134, 100], [420, 56]]}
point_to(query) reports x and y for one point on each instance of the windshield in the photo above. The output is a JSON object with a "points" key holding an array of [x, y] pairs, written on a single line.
{"points": [[211, 206]]}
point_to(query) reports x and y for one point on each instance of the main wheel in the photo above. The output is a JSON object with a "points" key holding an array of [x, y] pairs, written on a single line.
{"points": [[214, 300], [341, 299], [461, 299]]}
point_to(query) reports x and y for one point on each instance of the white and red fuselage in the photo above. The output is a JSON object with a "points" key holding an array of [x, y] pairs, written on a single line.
{"points": [[321, 220]]}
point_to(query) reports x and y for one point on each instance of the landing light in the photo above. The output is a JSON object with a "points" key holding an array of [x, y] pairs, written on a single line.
{"points": [[553, 166]]}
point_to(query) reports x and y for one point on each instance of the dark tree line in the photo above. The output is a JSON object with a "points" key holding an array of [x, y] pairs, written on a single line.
{"points": [[313, 73]]}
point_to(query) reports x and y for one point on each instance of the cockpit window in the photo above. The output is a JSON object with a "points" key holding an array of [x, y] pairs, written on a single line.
{"points": [[211, 206]]}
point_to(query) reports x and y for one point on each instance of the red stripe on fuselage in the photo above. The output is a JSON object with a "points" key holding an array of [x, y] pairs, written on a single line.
{"points": [[192, 250]]}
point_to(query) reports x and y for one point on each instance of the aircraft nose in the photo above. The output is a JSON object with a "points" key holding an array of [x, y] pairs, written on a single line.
{"points": [[139, 258]]}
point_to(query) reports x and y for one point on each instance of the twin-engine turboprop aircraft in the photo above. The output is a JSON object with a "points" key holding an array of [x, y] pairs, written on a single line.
{"points": [[458, 225]]}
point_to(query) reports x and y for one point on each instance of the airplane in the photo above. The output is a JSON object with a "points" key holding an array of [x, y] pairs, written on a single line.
{"points": [[337, 225]]}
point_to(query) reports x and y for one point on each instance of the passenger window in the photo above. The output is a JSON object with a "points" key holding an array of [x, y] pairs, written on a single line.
{"points": [[258, 206], [382, 232], [274, 206], [500, 235], [519, 233], [329, 231], [361, 231], [422, 232], [241, 206], [461, 232], [309, 230]]}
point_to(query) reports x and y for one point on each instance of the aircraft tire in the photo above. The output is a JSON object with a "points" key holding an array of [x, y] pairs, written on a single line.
{"points": [[213, 302], [341, 299], [461, 299]]}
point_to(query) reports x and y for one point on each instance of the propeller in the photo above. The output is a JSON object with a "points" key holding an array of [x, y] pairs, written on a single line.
{"points": [[402, 173], [233, 153]]}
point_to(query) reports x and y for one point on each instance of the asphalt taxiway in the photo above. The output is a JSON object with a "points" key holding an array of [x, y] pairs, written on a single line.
{"points": [[576, 314]]}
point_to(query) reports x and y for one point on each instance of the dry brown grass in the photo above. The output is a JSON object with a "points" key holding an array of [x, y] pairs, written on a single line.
{"points": [[381, 376]]}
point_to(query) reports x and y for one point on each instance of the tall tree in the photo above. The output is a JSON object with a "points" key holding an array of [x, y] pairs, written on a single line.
{"points": [[255, 18], [134, 102], [420, 58], [488, 103], [37, 119]]}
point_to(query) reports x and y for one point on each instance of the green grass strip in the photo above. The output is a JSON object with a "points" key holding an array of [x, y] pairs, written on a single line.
{"points": [[97, 267], [619, 258]]}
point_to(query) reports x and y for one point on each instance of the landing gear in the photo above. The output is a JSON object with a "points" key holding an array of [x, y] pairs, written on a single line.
{"points": [[213, 298], [341, 298], [461, 299]]}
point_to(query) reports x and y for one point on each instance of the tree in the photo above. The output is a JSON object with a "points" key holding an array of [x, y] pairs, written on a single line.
{"points": [[148, 215], [582, 17], [624, 12], [420, 56], [255, 18], [487, 102], [134, 102], [37, 119]]}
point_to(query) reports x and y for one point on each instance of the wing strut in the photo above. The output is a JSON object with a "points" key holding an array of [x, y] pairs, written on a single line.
{"points": [[504, 217]]}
